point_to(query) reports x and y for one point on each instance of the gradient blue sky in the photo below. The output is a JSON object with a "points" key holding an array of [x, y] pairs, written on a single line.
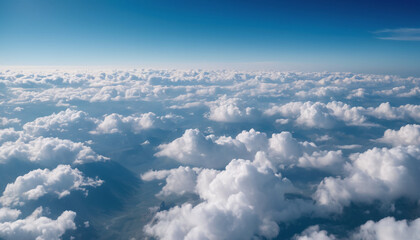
{"points": [[359, 36]]}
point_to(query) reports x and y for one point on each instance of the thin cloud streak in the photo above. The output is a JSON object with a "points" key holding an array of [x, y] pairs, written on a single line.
{"points": [[399, 34]]}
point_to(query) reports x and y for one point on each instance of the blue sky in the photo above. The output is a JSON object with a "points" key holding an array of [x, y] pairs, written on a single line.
{"points": [[358, 36]]}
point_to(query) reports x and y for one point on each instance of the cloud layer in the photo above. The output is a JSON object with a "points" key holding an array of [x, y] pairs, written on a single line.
{"points": [[196, 154]]}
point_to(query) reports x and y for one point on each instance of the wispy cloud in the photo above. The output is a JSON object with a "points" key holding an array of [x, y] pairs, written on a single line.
{"points": [[399, 34]]}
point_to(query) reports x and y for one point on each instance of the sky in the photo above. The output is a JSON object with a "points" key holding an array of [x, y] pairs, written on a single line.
{"points": [[358, 36]]}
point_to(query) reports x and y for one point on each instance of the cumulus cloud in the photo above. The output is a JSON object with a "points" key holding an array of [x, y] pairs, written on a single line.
{"points": [[37, 183], [7, 214], [9, 134], [385, 229], [315, 115], [284, 149], [313, 233], [230, 110], [406, 135], [6, 121], [320, 115], [352, 116], [48, 151], [384, 174], [254, 141], [38, 227], [116, 123], [196, 149], [388, 229], [239, 202], [386, 111], [62, 121], [179, 181], [331, 161]]}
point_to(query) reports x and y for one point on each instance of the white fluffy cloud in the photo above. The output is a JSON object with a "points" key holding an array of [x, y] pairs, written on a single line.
{"points": [[198, 150], [313, 233], [320, 115], [38, 227], [215, 152], [6, 121], [9, 134], [386, 111], [179, 181], [389, 229], [230, 110], [378, 174], [315, 115], [61, 121], [7, 214], [284, 149], [406, 135], [331, 161], [37, 183], [385, 229], [116, 123], [240, 202], [352, 116], [48, 151]]}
